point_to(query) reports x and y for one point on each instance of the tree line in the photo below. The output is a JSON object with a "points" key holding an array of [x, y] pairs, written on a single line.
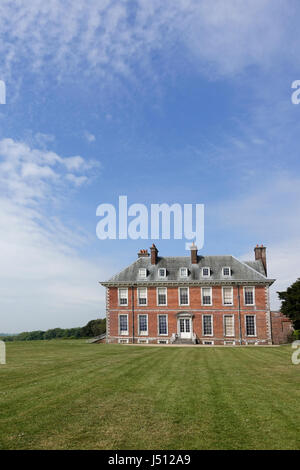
{"points": [[92, 328]]}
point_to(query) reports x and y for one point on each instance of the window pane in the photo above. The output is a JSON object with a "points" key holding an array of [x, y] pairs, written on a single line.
{"points": [[226, 271], [162, 296], [162, 324], [123, 293], [250, 325], [207, 325], [205, 272], [249, 297], [143, 323], [227, 293], [229, 325], [123, 323], [206, 296], [184, 296], [142, 295]]}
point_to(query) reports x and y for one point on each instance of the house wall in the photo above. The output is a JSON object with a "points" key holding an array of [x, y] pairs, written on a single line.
{"points": [[217, 310], [282, 328]]}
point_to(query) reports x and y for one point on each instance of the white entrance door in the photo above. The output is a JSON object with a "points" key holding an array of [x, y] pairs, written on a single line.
{"points": [[185, 330]]}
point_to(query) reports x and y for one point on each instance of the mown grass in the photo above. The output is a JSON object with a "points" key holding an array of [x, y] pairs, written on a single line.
{"points": [[73, 395]]}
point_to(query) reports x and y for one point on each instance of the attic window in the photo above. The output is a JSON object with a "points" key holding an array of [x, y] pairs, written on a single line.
{"points": [[205, 272], [183, 272], [142, 273], [162, 272], [226, 272]]}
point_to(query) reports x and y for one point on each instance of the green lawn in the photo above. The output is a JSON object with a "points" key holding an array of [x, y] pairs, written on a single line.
{"points": [[73, 395]]}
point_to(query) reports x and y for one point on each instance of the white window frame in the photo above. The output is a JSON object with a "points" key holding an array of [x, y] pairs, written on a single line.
{"points": [[233, 326], [123, 333], [208, 343], [211, 299], [202, 272], [212, 324], [186, 272], [165, 273], [157, 303], [143, 341], [188, 292], [167, 322], [143, 333], [123, 340], [142, 273], [138, 297], [226, 275], [223, 297], [255, 331], [244, 292], [119, 297]]}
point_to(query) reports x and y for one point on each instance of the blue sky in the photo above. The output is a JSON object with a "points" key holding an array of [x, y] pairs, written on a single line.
{"points": [[186, 101]]}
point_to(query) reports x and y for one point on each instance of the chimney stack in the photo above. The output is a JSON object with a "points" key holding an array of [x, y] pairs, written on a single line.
{"points": [[260, 253], [143, 254], [154, 252], [194, 254]]}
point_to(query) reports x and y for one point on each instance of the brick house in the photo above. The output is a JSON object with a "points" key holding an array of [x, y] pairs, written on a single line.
{"points": [[191, 299]]}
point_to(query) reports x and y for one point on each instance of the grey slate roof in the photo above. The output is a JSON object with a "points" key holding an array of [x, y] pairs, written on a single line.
{"points": [[250, 271]]}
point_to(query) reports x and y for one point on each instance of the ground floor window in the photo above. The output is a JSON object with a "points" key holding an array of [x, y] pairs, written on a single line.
{"points": [[143, 324], [207, 325], [123, 324], [250, 325], [162, 325], [228, 325]]}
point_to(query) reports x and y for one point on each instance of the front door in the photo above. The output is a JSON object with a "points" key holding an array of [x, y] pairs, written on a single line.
{"points": [[185, 330]]}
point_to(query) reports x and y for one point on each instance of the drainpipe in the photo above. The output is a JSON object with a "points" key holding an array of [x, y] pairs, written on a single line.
{"points": [[240, 323], [132, 307]]}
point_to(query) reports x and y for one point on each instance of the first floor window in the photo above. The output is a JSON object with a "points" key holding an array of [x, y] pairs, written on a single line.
{"points": [[123, 324], [143, 324], [228, 296], [206, 296], [162, 325], [162, 296], [183, 296], [207, 325], [250, 325], [123, 296], [249, 295], [228, 325], [142, 295]]}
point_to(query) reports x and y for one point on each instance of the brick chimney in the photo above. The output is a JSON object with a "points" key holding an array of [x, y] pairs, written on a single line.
{"points": [[154, 252], [143, 254], [194, 254], [260, 253]]}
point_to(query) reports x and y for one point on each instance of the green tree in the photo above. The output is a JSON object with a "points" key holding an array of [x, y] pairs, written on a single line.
{"points": [[290, 305], [94, 327]]}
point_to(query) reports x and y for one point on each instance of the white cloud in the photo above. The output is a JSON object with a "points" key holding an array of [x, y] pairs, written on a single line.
{"points": [[27, 173], [89, 137], [45, 282], [111, 37]]}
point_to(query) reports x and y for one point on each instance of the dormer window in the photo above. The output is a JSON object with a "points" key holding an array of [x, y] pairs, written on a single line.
{"points": [[226, 272], [142, 273], [162, 272], [183, 272], [205, 272]]}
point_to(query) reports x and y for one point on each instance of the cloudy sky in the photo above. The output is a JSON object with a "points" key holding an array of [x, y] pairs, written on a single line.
{"points": [[186, 101]]}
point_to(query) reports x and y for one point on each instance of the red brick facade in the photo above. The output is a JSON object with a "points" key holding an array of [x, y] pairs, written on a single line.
{"points": [[282, 328], [123, 316]]}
